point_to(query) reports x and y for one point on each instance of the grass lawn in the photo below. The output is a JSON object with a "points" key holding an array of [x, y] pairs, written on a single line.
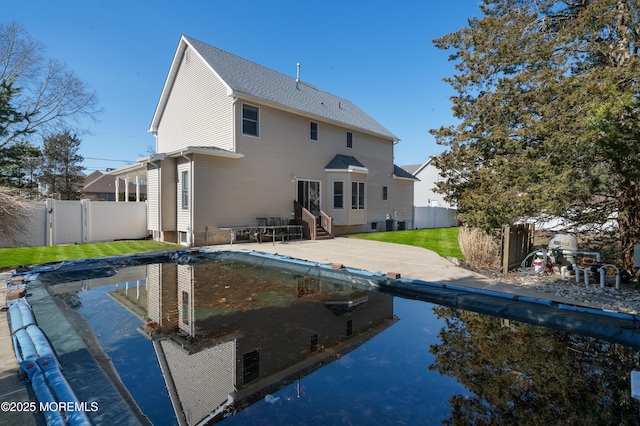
{"points": [[11, 257], [443, 241]]}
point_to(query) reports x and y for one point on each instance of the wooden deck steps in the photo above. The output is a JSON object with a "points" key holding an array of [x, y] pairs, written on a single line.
{"points": [[322, 234]]}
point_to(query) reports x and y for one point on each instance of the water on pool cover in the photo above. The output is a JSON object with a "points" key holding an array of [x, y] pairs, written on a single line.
{"points": [[291, 349]]}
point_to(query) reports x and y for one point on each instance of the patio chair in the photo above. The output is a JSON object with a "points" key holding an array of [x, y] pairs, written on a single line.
{"points": [[260, 231]]}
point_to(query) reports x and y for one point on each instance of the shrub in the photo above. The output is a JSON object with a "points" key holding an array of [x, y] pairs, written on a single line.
{"points": [[479, 248]]}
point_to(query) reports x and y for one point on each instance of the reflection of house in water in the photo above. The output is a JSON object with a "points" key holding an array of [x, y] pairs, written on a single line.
{"points": [[237, 333]]}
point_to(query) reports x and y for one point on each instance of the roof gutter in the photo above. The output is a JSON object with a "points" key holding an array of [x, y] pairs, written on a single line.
{"points": [[350, 169], [203, 151]]}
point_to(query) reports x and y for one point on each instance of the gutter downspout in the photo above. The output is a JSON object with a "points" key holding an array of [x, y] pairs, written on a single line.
{"points": [[233, 118], [190, 194]]}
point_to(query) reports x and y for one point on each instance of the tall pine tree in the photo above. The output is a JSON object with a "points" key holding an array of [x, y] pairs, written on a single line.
{"points": [[547, 97], [9, 115], [61, 169]]}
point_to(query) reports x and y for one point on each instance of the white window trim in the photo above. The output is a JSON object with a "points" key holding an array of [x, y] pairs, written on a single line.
{"points": [[364, 198], [257, 135], [184, 189], [317, 131], [333, 193]]}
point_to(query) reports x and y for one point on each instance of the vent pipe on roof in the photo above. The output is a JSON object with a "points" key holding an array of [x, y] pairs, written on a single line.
{"points": [[298, 72]]}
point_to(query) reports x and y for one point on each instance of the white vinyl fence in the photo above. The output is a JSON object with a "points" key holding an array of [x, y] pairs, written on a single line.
{"points": [[56, 222], [434, 217]]}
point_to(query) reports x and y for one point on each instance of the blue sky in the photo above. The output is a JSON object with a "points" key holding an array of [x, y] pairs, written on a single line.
{"points": [[377, 54]]}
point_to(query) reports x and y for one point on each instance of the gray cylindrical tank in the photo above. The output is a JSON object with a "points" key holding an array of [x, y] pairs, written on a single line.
{"points": [[561, 242], [564, 242]]}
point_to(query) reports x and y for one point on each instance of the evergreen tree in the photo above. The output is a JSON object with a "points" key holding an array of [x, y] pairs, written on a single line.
{"points": [[20, 165], [519, 374], [61, 170], [548, 107], [9, 116]]}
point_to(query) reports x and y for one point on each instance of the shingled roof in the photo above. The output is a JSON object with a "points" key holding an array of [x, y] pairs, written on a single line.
{"points": [[399, 172], [249, 80], [343, 162]]}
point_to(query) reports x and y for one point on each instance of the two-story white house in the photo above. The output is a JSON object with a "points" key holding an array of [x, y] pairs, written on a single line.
{"points": [[424, 194], [236, 141]]}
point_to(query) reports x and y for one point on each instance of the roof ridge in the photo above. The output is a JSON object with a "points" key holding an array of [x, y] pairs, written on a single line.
{"points": [[250, 80], [256, 64]]}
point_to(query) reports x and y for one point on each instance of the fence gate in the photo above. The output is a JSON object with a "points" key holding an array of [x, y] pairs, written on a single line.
{"points": [[84, 221], [67, 222], [517, 243]]}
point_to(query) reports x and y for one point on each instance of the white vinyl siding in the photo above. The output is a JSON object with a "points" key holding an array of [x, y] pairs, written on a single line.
{"points": [[168, 195], [202, 379], [185, 298], [198, 111], [154, 295], [263, 183], [153, 203]]}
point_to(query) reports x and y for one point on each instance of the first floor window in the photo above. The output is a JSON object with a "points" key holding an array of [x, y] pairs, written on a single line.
{"points": [[357, 195], [250, 120], [185, 190], [338, 195]]}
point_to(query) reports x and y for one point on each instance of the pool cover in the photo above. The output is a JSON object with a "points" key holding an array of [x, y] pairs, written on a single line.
{"points": [[93, 377]]}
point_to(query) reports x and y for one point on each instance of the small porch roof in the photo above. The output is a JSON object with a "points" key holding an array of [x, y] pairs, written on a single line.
{"points": [[140, 167], [132, 170], [345, 163]]}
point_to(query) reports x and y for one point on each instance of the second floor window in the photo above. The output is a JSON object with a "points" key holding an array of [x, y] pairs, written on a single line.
{"points": [[313, 131], [250, 117], [349, 140], [385, 192]]}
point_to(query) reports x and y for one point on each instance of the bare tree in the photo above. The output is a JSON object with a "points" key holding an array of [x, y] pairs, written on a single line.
{"points": [[15, 214], [52, 97]]}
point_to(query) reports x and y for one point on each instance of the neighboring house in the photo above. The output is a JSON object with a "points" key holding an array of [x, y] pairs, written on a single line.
{"points": [[101, 187], [431, 210], [424, 194], [44, 189], [236, 141]]}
